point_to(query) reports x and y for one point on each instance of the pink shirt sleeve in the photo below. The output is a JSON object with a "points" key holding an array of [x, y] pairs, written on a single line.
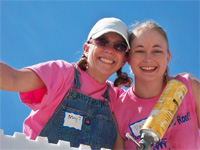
{"points": [[56, 75]]}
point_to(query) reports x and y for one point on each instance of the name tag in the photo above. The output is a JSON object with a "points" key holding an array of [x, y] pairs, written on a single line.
{"points": [[73, 120], [136, 126]]}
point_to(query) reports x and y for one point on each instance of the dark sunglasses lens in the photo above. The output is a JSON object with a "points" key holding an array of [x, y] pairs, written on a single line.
{"points": [[102, 41], [120, 47]]}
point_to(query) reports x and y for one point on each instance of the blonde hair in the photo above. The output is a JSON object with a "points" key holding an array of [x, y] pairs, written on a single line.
{"points": [[150, 24]]}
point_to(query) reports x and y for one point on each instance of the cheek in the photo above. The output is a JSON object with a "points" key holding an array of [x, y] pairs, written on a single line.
{"points": [[163, 64], [163, 59], [90, 57], [121, 57], [166, 61], [133, 60]]}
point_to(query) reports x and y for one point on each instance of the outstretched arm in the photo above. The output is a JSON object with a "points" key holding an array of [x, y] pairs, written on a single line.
{"points": [[18, 80], [196, 92]]}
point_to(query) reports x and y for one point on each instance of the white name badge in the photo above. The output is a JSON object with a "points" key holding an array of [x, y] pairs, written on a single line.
{"points": [[73, 120], [136, 126]]}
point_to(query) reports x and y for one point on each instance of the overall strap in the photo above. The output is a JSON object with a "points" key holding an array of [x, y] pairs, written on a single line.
{"points": [[106, 93], [76, 83]]}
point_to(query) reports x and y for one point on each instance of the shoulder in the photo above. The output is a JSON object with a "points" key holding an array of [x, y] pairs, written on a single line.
{"points": [[195, 84], [188, 78], [192, 83], [118, 89], [57, 63], [55, 69], [182, 77], [52, 65]]}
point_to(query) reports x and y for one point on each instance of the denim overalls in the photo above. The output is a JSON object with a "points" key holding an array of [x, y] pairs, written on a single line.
{"points": [[81, 119]]}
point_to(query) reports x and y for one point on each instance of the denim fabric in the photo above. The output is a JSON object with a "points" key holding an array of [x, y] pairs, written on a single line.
{"points": [[95, 124]]}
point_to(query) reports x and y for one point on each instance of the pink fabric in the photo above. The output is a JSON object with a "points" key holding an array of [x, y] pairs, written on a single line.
{"points": [[131, 112], [58, 77]]}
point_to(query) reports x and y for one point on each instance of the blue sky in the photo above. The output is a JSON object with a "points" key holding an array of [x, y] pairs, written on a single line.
{"points": [[39, 31]]}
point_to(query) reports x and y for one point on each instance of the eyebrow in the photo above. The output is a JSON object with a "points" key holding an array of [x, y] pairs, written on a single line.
{"points": [[157, 46], [139, 46], [143, 46]]}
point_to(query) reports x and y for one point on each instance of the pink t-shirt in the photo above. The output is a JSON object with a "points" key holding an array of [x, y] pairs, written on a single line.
{"points": [[58, 76], [131, 113]]}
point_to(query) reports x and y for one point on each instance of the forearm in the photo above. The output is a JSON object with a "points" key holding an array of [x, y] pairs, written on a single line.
{"points": [[7, 75], [18, 80]]}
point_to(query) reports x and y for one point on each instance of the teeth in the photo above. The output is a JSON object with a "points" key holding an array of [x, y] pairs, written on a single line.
{"points": [[106, 60], [148, 68]]}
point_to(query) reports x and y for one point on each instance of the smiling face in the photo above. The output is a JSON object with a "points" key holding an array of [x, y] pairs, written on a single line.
{"points": [[149, 55], [104, 61]]}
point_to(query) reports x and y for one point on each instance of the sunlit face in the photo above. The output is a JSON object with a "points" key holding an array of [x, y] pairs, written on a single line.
{"points": [[149, 56], [104, 60]]}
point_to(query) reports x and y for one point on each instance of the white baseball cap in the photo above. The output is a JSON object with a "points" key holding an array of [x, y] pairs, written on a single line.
{"points": [[106, 25]]}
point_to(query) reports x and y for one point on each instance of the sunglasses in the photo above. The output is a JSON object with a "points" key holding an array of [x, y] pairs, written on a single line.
{"points": [[103, 42]]}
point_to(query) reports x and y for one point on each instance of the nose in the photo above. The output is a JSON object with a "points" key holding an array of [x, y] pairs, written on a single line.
{"points": [[109, 48], [148, 58]]}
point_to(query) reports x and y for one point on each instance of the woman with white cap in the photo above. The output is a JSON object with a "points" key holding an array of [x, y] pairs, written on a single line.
{"points": [[74, 101]]}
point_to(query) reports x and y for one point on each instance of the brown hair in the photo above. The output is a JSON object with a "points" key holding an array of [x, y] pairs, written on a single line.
{"points": [[153, 26], [122, 77]]}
